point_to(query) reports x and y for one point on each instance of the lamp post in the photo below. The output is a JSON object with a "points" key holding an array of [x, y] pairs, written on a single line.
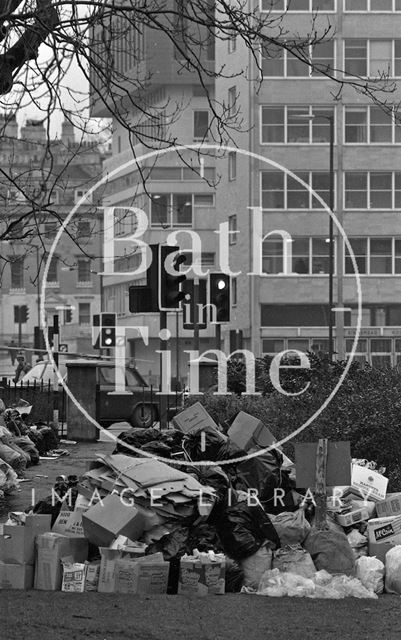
{"points": [[330, 119]]}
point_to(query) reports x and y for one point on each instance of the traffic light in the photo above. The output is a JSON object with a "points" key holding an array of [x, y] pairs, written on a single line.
{"points": [[143, 298], [21, 313], [170, 285], [192, 315], [220, 297], [108, 329]]}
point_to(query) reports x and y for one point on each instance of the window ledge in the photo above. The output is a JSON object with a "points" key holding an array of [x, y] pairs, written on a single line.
{"points": [[17, 290], [84, 285]]}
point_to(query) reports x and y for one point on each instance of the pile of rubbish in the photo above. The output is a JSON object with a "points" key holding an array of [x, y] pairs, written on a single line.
{"points": [[135, 523], [21, 444]]}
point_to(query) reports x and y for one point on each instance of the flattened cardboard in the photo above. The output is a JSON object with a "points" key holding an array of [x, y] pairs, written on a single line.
{"points": [[51, 548], [338, 464], [110, 518], [194, 419], [17, 542], [16, 576], [247, 432]]}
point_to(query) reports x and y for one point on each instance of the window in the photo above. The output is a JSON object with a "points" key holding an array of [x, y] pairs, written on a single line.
{"points": [[201, 124], [299, 5], [317, 58], [310, 256], [52, 274], [171, 209], [272, 346], [17, 272], [79, 193], [372, 190], [372, 58], [84, 228], [232, 229], [50, 230], [232, 102], [234, 292], [375, 256], [370, 125], [232, 165], [84, 270], [379, 6], [380, 350], [84, 313], [280, 191], [232, 43]]}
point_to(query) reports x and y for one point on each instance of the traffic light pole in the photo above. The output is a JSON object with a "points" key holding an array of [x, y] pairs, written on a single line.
{"points": [[163, 347], [20, 327], [218, 336], [196, 314], [56, 345]]}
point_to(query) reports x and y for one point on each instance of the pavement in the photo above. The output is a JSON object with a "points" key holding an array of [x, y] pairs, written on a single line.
{"points": [[40, 478]]}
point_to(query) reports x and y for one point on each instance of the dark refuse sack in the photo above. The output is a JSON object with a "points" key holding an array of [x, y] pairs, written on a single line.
{"points": [[243, 529], [214, 446], [330, 550]]}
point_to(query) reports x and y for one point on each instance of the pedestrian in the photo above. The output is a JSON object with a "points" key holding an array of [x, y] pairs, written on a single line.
{"points": [[12, 351], [22, 368]]}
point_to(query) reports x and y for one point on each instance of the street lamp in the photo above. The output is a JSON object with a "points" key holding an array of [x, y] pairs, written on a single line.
{"points": [[330, 119]]}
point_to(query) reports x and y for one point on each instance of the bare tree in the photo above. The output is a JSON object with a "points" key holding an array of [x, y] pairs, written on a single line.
{"points": [[43, 41]]}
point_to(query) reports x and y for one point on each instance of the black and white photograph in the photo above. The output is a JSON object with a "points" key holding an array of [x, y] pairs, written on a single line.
{"points": [[200, 319]]}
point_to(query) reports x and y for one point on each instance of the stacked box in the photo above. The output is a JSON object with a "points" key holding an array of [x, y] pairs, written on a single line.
{"points": [[52, 548], [17, 551]]}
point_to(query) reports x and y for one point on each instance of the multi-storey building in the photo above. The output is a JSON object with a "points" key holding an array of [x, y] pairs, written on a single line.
{"points": [[285, 126], [56, 173], [175, 190], [288, 122]]}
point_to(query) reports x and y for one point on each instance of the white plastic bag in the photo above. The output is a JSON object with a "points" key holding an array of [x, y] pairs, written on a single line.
{"points": [[294, 560], [255, 566], [358, 543], [272, 584], [393, 570], [292, 527], [370, 571]]}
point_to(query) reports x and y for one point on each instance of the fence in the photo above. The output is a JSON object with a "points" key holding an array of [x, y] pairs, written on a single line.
{"points": [[41, 396]]}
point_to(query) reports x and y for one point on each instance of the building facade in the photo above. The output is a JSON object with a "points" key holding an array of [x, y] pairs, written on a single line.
{"points": [[288, 120], [50, 177]]}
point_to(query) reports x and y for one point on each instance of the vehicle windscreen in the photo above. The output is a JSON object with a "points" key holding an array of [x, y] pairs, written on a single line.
{"points": [[132, 379]]}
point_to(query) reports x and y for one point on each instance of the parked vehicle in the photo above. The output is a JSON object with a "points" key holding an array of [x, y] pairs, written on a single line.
{"points": [[141, 407]]}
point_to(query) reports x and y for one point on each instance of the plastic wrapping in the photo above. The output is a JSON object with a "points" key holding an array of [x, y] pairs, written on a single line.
{"points": [[292, 527], [294, 560], [393, 570], [370, 571]]}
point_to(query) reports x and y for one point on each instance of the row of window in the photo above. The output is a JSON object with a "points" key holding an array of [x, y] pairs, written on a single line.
{"points": [[379, 352], [310, 256], [349, 6], [176, 209], [317, 315], [18, 271], [378, 190], [362, 58], [301, 124]]}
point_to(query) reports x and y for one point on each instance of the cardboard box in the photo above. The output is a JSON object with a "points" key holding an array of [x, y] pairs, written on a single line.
{"points": [[17, 542], [148, 575], [380, 529], [69, 523], [391, 506], [16, 576], [352, 517], [110, 518], [108, 561], [202, 576], [51, 549], [247, 431], [194, 419], [379, 549], [371, 484], [92, 576], [73, 577]]}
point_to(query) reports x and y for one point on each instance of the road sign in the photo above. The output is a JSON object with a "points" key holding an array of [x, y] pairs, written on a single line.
{"points": [[63, 348]]}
